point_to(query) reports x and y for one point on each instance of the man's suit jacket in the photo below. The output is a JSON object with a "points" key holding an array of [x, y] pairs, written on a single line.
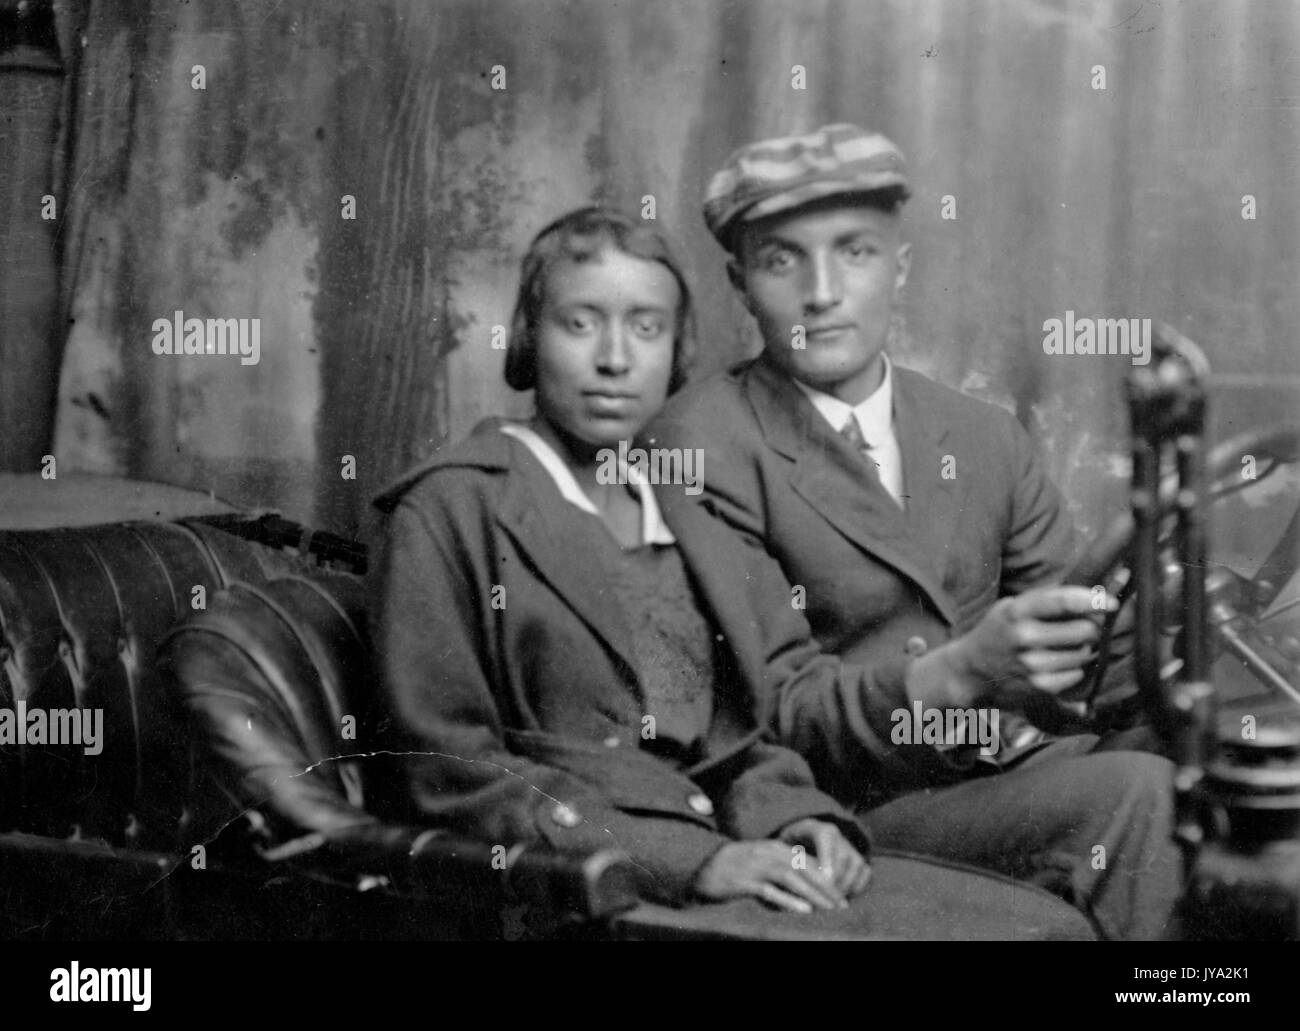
{"points": [[882, 585], [508, 671]]}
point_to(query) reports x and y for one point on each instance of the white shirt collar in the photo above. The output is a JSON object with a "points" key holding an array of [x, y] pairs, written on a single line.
{"points": [[875, 415], [653, 528]]}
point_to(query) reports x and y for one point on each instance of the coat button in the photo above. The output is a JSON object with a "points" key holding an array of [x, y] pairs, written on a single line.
{"points": [[565, 816], [612, 741], [915, 645], [700, 803]]}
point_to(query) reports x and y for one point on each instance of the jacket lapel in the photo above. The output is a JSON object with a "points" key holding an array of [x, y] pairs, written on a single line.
{"points": [[843, 489], [552, 535], [549, 532], [929, 484], [718, 582], [543, 526]]}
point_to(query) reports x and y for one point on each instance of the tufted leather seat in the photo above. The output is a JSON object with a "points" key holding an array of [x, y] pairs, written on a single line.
{"points": [[81, 614], [222, 668]]}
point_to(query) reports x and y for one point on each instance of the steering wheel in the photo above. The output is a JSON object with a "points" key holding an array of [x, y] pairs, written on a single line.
{"points": [[1235, 603]]}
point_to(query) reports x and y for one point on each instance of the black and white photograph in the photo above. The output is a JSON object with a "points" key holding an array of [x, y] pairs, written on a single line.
{"points": [[594, 470]]}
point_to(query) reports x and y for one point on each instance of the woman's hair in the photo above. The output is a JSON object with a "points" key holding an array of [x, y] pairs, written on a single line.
{"points": [[577, 237]]}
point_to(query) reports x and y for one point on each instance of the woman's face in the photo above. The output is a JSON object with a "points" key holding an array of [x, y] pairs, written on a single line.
{"points": [[605, 346]]}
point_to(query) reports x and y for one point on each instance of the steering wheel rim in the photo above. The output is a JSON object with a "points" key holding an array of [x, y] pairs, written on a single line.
{"points": [[1106, 561]]}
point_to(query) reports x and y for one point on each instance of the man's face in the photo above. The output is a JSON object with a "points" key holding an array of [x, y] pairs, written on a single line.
{"points": [[835, 269], [605, 345]]}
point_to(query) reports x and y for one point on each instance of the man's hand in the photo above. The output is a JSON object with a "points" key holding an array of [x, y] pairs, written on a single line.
{"points": [[1044, 637], [836, 858], [767, 870]]}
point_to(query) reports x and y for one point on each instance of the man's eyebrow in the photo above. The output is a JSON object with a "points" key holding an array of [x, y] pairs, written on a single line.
{"points": [[866, 232], [776, 240], [773, 240]]}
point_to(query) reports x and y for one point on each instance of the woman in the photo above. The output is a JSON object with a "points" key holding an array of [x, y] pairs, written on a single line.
{"points": [[586, 668]]}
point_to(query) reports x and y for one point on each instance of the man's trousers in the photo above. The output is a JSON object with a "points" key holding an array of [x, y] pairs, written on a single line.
{"points": [[1091, 825]]}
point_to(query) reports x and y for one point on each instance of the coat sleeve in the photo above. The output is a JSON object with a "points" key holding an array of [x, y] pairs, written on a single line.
{"points": [[775, 789], [433, 647], [840, 718], [1040, 538]]}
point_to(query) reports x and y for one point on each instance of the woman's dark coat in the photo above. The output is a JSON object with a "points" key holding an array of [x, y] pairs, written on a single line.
{"points": [[507, 671]]}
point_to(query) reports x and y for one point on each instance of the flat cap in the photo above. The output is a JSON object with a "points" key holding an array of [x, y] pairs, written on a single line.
{"points": [[771, 176]]}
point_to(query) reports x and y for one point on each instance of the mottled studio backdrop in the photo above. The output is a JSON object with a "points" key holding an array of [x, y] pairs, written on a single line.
{"points": [[376, 331]]}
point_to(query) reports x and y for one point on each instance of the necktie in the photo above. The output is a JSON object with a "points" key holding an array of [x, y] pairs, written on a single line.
{"points": [[852, 432]]}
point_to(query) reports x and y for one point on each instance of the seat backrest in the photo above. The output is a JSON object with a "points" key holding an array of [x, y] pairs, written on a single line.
{"points": [[82, 612], [270, 676]]}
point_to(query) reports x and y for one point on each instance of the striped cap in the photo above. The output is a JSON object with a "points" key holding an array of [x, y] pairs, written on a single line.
{"points": [[776, 175]]}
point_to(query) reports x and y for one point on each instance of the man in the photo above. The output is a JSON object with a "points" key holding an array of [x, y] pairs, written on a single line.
{"points": [[922, 536]]}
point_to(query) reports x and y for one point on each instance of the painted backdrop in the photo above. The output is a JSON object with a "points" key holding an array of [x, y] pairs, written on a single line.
{"points": [[376, 331]]}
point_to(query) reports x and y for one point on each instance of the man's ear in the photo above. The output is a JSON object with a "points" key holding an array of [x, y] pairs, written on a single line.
{"points": [[736, 273], [902, 265]]}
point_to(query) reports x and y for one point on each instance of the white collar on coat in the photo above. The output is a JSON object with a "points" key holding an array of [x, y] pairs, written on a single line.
{"points": [[653, 528]]}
